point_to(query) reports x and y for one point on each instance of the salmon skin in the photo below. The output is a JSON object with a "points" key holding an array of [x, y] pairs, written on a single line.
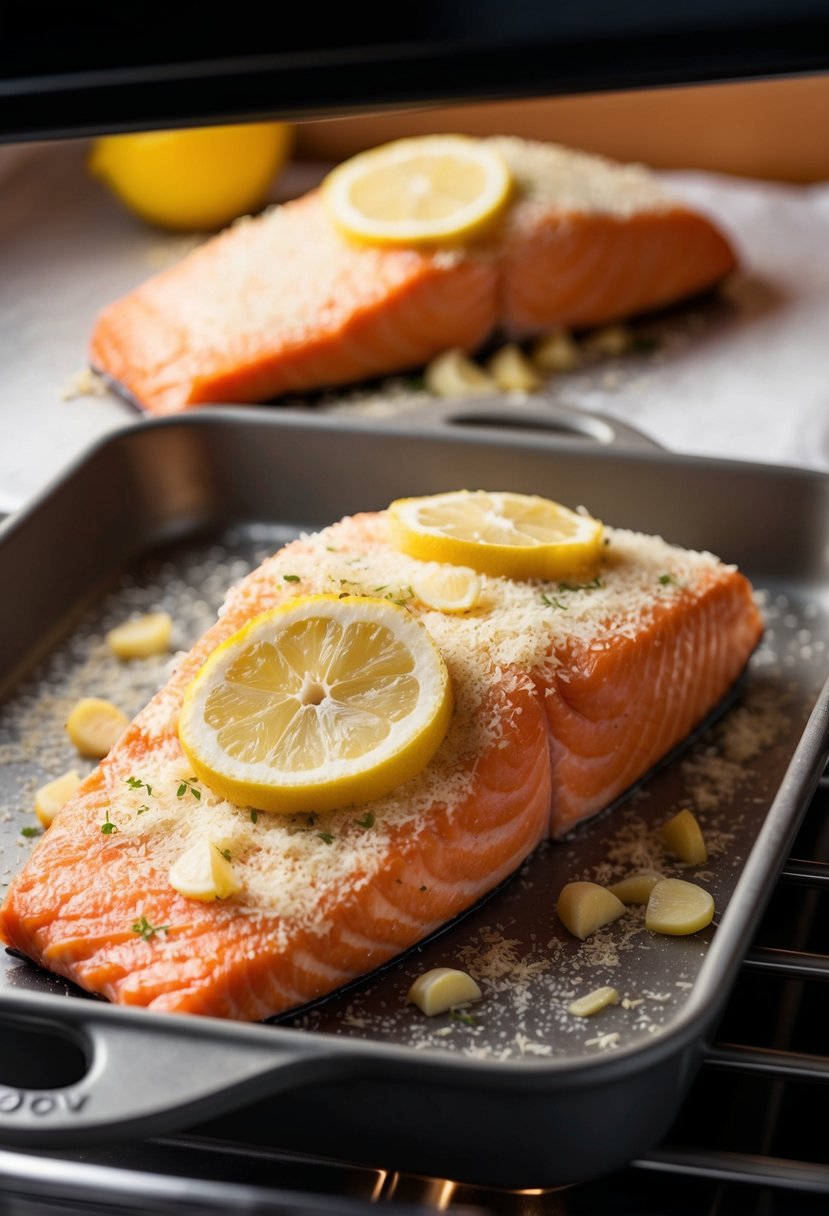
{"points": [[565, 696], [283, 303]]}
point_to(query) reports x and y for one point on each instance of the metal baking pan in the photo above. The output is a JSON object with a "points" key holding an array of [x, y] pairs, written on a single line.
{"points": [[163, 514]]}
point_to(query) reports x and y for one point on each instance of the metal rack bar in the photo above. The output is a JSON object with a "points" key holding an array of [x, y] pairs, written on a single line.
{"points": [[789, 964]]}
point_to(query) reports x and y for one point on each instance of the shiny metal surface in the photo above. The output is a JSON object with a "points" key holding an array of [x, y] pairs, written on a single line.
{"points": [[222, 489]]}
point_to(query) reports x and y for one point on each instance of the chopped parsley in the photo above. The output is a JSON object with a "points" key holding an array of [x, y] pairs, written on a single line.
{"points": [[189, 786], [145, 930], [367, 821], [332, 548], [667, 580], [254, 815], [401, 597], [593, 585], [457, 1015], [226, 853], [144, 807], [108, 827], [326, 837], [29, 832], [135, 783], [552, 602], [290, 578]]}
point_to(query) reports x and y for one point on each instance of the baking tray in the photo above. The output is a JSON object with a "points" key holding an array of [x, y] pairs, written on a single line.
{"points": [[519, 1094]]}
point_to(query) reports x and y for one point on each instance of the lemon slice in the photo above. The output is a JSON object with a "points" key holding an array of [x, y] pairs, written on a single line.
{"points": [[425, 190], [447, 588], [316, 704], [512, 535]]}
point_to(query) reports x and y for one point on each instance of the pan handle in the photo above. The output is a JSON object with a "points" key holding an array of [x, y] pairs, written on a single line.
{"points": [[569, 425], [144, 1076]]}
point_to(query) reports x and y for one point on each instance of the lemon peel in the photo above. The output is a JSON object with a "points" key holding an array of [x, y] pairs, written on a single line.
{"points": [[196, 179]]}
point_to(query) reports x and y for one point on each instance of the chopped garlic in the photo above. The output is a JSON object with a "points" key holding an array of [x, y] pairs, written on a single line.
{"points": [[94, 725], [441, 989], [447, 588], [51, 797], [511, 369], [636, 888], [204, 872], [454, 374], [584, 907], [593, 1002], [683, 837], [141, 637], [677, 907], [556, 352], [612, 340]]}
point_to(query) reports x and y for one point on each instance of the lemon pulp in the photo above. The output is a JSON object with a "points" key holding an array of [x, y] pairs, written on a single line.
{"points": [[316, 704]]}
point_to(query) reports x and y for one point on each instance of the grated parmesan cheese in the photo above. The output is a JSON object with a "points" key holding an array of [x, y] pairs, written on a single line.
{"points": [[491, 653]]}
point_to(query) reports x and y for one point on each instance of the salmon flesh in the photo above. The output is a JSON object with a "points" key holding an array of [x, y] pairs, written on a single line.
{"points": [[565, 696], [283, 303]]}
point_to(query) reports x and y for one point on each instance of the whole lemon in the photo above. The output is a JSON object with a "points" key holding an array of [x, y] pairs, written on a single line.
{"points": [[197, 179]]}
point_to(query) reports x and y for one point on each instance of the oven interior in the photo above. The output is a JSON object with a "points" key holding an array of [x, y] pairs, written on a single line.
{"points": [[746, 1140]]}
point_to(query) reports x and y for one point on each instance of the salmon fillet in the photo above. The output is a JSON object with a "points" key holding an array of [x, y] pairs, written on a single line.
{"points": [[565, 696], [283, 303]]}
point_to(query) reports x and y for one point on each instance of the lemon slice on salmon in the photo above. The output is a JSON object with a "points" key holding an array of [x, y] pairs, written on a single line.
{"points": [[317, 704], [512, 535], [425, 190]]}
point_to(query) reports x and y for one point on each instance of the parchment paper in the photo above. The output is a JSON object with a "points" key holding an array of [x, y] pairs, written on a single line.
{"points": [[745, 374]]}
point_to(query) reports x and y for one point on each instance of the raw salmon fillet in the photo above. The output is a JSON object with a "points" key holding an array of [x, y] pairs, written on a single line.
{"points": [[560, 707], [283, 303]]}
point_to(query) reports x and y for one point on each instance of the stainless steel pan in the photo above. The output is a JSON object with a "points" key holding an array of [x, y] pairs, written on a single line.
{"points": [[526, 1095]]}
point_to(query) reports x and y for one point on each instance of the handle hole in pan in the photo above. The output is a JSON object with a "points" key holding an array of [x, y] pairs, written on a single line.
{"points": [[40, 1056], [582, 429]]}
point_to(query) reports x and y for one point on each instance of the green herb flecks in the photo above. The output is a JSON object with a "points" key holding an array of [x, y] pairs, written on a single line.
{"points": [[188, 786], [30, 832], [326, 837], [145, 930], [144, 807], [400, 597], [593, 585], [668, 580], [135, 783], [108, 827], [457, 1015], [367, 821], [254, 815], [226, 853], [290, 578], [552, 602]]}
